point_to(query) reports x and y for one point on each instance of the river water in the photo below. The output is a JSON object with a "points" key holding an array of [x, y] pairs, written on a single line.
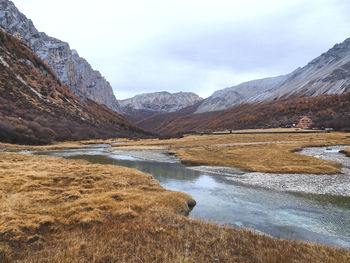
{"points": [[309, 217]]}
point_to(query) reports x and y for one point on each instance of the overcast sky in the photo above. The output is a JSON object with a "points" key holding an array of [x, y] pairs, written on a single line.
{"points": [[191, 45]]}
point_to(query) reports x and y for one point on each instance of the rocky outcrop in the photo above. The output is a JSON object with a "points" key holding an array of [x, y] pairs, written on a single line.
{"points": [[327, 74], [144, 106], [35, 108], [161, 101], [72, 70], [244, 93]]}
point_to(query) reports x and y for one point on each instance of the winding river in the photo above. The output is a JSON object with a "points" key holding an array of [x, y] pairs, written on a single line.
{"points": [[309, 217]]}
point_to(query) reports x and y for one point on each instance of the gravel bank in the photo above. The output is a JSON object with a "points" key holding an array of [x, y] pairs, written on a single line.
{"points": [[338, 184], [149, 155]]}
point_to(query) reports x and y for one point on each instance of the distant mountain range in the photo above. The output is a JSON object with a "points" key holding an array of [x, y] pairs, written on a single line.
{"points": [[320, 90], [72, 70], [149, 104], [36, 108], [327, 74], [247, 92]]}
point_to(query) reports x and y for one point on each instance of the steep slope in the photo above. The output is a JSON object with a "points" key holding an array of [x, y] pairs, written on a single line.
{"points": [[149, 104], [243, 93], [72, 70], [35, 108], [159, 123], [327, 74], [325, 111]]}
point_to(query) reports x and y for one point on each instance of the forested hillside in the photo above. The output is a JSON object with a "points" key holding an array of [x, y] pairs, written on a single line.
{"points": [[36, 108]]}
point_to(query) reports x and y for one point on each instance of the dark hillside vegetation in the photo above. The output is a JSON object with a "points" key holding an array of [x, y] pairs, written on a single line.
{"points": [[332, 111], [35, 108]]}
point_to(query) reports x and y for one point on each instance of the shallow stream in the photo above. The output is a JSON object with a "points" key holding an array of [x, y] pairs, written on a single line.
{"points": [[310, 217]]}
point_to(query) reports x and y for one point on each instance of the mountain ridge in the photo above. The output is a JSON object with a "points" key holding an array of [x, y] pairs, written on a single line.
{"points": [[72, 70], [162, 101], [329, 73], [36, 108], [145, 105]]}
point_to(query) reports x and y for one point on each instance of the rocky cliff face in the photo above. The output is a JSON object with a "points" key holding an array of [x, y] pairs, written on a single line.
{"points": [[161, 101], [327, 74], [144, 106], [72, 70], [35, 108]]}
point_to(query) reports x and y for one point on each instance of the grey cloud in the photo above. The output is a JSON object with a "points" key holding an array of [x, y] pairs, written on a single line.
{"points": [[185, 46]]}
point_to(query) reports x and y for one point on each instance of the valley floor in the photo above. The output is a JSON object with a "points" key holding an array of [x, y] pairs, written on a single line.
{"points": [[57, 210], [266, 153]]}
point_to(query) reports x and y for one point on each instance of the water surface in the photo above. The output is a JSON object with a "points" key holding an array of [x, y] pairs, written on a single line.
{"points": [[317, 218]]}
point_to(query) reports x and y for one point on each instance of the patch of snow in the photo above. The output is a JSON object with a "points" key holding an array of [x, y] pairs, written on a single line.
{"points": [[2, 60], [37, 93], [21, 80]]}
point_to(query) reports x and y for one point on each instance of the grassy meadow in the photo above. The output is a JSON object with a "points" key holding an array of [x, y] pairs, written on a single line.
{"points": [[58, 210], [273, 153]]}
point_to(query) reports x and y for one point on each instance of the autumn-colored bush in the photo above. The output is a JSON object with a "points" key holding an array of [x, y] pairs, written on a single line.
{"points": [[35, 108], [331, 111]]}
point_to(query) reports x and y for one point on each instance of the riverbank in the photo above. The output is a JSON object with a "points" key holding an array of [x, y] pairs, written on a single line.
{"points": [[6, 147], [346, 151], [56, 210], [321, 184], [264, 153]]}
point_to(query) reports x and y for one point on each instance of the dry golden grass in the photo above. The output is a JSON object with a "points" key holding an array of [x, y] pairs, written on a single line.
{"points": [[43, 194], [163, 238], [258, 158], [346, 151], [56, 210], [270, 130], [58, 146], [273, 153]]}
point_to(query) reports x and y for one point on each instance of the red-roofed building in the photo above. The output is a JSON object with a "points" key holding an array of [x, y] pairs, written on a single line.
{"points": [[305, 122]]}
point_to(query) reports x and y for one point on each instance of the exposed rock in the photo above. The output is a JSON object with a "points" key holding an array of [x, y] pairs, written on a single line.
{"points": [[243, 93], [72, 70], [147, 105], [35, 108], [327, 74], [161, 101]]}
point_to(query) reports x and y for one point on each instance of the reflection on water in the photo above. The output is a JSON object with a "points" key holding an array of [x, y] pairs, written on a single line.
{"points": [[318, 218]]}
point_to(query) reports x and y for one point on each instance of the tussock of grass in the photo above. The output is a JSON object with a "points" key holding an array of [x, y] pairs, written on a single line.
{"points": [[45, 194], [259, 158], [346, 151], [163, 237], [273, 153]]}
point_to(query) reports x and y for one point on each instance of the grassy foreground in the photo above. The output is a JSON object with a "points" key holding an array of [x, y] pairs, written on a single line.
{"points": [[273, 153], [56, 210]]}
